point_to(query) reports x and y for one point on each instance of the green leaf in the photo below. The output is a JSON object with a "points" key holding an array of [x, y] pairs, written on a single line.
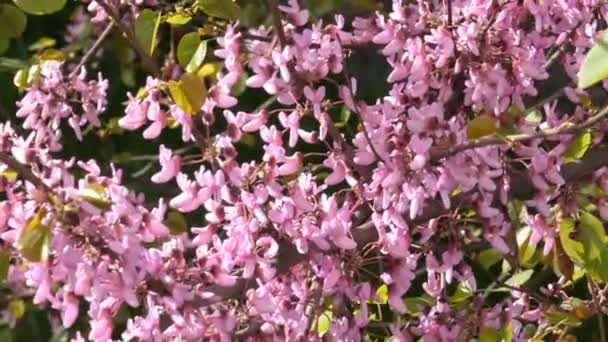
{"points": [[323, 322], [413, 303], [178, 19], [5, 43], [382, 293], [462, 293], [590, 249], [96, 195], [176, 222], [519, 278], [146, 29], [489, 335], [17, 308], [481, 126], [5, 262], [595, 65], [40, 7], [191, 51], [577, 147], [592, 236], [13, 21], [559, 317], [488, 258], [189, 93], [223, 9], [10, 64], [526, 252], [42, 43], [35, 239], [508, 332]]}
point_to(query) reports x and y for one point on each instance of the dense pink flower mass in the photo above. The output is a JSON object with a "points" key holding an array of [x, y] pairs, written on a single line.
{"points": [[271, 246]]}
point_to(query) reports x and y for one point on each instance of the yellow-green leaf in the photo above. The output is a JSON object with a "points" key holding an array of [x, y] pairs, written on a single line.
{"points": [[176, 222], [189, 93], [519, 278], [462, 293], [481, 126], [223, 9], [595, 65], [34, 241], [13, 21], [5, 262], [96, 195], [179, 19], [487, 334], [40, 7], [42, 43], [17, 308], [382, 293], [323, 322], [577, 147], [191, 51], [9, 174], [146, 29]]}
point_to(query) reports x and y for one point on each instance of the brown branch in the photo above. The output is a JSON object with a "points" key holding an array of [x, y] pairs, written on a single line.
{"points": [[25, 172], [276, 20], [495, 141], [148, 62], [93, 49], [520, 187]]}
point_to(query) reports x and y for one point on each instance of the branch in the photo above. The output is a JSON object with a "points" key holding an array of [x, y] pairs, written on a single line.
{"points": [[520, 187], [494, 141], [24, 172], [93, 49], [148, 63], [276, 20]]}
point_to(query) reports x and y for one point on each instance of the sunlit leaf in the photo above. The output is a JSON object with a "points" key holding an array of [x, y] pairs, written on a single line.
{"points": [[17, 308], [40, 7], [191, 51], [595, 65], [577, 147], [176, 222], [555, 317], [146, 29], [42, 43], [13, 21], [461, 294], [382, 293], [489, 257], [323, 322], [96, 195], [481, 126], [519, 278], [487, 334], [589, 248], [51, 55], [178, 19], [34, 241], [223, 9], [189, 93]]}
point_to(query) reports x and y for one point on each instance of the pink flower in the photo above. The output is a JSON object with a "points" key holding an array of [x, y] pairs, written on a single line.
{"points": [[170, 166]]}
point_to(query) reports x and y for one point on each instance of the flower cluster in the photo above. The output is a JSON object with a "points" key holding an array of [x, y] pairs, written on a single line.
{"points": [[386, 221]]}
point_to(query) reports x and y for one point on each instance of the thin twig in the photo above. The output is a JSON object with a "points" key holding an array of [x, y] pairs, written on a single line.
{"points": [[600, 316], [148, 63], [276, 20], [93, 49], [492, 141], [24, 172]]}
